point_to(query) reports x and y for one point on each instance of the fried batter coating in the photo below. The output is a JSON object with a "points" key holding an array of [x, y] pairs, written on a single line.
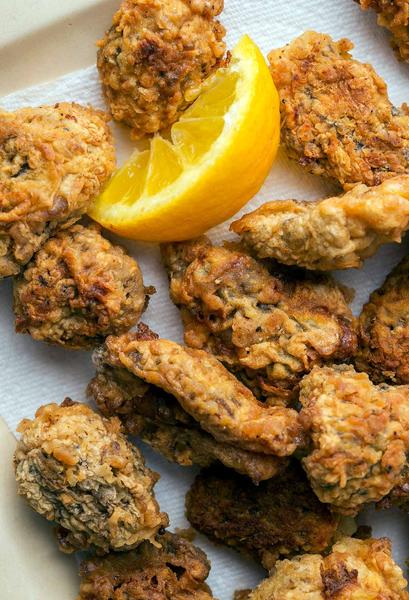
{"points": [[206, 391], [174, 569], [279, 517], [76, 468], [355, 570], [155, 57], [335, 233], [394, 15], [158, 419], [78, 289], [359, 436], [337, 119], [269, 329], [384, 330], [54, 161], [399, 496]]}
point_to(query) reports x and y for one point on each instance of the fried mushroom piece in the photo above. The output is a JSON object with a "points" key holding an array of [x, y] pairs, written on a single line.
{"points": [[335, 233], [76, 468], [384, 330], [354, 569], [279, 517], [359, 436], [78, 289], [155, 57], [157, 418], [54, 160], [269, 329], [172, 569], [337, 119], [216, 400], [394, 15]]}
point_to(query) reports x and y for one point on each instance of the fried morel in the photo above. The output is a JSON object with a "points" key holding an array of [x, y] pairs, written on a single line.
{"points": [[353, 570], [334, 233], [359, 436], [78, 289], [154, 58], [277, 518], [268, 326], [77, 469], [54, 161], [172, 569], [337, 119]]}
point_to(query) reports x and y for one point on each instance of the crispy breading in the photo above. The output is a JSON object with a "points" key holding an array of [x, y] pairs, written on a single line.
{"points": [[399, 496], [337, 119], [269, 329], [394, 15], [174, 569], [158, 419], [335, 233], [359, 436], [384, 329], [354, 570], [279, 517], [76, 468], [241, 595], [54, 161], [221, 405], [154, 58], [78, 289]]}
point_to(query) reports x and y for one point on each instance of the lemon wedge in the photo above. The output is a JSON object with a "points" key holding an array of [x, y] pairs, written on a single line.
{"points": [[213, 161]]}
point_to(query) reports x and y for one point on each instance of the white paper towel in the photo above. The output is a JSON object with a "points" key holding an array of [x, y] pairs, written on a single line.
{"points": [[33, 373]]}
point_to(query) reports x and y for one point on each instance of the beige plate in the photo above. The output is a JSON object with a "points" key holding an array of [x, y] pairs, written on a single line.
{"points": [[31, 568], [43, 39], [37, 43]]}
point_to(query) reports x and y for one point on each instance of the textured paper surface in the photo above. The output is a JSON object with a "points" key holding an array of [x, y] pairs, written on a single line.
{"points": [[33, 374]]}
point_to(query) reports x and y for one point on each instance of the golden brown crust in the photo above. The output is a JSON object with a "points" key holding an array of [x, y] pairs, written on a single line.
{"points": [[222, 406], [268, 329], [384, 330], [155, 57], [158, 419], [354, 570], [242, 595], [359, 436], [77, 469], [337, 119], [335, 233], [54, 161], [174, 569], [394, 15], [277, 518], [78, 289], [399, 496]]}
